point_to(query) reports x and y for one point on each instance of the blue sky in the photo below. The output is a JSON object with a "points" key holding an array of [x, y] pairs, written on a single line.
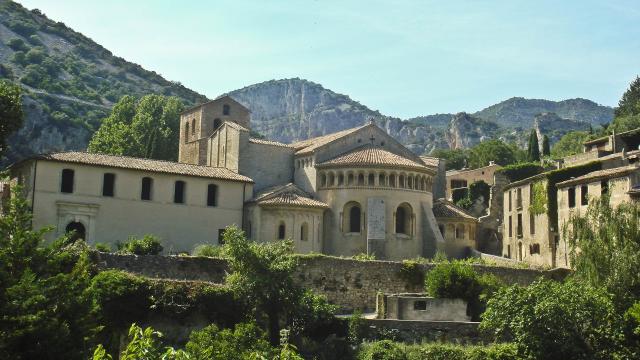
{"points": [[404, 58]]}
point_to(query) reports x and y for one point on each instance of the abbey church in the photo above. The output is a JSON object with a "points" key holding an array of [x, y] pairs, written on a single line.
{"points": [[351, 192]]}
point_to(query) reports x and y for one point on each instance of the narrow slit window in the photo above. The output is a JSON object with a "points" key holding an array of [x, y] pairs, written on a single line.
{"points": [[108, 184], [147, 184], [212, 192], [178, 192], [66, 185]]}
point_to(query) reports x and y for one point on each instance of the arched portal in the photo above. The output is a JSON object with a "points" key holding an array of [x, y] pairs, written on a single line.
{"points": [[75, 231]]}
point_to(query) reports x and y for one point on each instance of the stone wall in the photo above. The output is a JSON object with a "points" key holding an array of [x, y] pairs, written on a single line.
{"points": [[412, 331], [348, 283]]}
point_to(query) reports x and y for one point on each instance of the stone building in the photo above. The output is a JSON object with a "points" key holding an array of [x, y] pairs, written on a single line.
{"points": [[354, 191], [458, 228], [461, 179], [535, 209], [106, 199]]}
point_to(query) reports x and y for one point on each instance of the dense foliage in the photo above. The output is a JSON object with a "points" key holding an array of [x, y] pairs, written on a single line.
{"points": [[456, 159], [147, 128], [46, 310], [569, 144], [458, 280], [546, 148], [493, 150], [520, 171], [386, 349], [148, 245], [11, 115], [628, 110], [553, 320]]}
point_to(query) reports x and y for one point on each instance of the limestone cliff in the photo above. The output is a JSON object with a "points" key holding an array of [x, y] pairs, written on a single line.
{"points": [[465, 131]]}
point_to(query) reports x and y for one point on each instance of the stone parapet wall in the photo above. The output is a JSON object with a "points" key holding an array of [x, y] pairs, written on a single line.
{"points": [[348, 283]]}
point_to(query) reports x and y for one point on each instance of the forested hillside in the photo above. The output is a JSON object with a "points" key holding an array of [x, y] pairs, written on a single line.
{"points": [[69, 81]]}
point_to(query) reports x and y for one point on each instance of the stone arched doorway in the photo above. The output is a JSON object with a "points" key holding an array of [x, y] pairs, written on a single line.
{"points": [[76, 231]]}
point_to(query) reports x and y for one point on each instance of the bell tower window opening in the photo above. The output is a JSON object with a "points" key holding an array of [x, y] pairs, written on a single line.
{"points": [[226, 109]]}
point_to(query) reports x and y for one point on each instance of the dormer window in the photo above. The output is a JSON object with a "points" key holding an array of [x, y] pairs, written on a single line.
{"points": [[226, 109]]}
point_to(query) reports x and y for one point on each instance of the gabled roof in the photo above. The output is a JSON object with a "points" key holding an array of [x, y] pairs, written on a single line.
{"points": [[234, 125], [288, 195], [126, 162], [601, 174], [430, 160], [446, 209], [268, 142], [309, 145], [369, 155]]}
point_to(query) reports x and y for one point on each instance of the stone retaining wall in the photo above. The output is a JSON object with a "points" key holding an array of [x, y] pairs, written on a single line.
{"points": [[347, 283]]}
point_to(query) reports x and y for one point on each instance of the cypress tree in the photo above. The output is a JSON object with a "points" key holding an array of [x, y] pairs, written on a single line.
{"points": [[533, 151], [546, 149]]}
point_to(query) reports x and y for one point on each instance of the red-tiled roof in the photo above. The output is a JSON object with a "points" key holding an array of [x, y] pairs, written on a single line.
{"points": [[446, 209], [287, 196], [373, 156]]}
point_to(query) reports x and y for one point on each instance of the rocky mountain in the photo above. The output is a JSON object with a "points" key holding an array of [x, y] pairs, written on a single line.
{"points": [[465, 131], [70, 82], [520, 112], [555, 127]]}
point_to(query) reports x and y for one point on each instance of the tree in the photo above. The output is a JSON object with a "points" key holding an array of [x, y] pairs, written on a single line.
{"points": [[533, 150], [491, 150], [147, 128], [554, 320], [11, 115], [456, 159], [627, 114], [46, 310], [570, 144], [261, 274], [546, 149], [604, 247]]}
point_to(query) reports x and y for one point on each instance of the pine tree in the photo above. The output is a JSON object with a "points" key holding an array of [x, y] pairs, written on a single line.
{"points": [[533, 151], [630, 102], [546, 149]]}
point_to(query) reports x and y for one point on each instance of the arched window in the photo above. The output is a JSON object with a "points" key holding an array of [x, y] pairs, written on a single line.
{"points": [[216, 123], [350, 179], [281, 231], [193, 127], [340, 179], [323, 180], [304, 232], [178, 192], [147, 184], [392, 180], [331, 180], [212, 195], [401, 183], [186, 131], [381, 180], [404, 215], [460, 232], [108, 184], [226, 109], [360, 179], [75, 230], [371, 180], [410, 182], [66, 185], [352, 217]]}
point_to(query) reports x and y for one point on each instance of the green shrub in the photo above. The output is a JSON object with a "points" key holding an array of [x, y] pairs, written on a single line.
{"points": [[123, 298], [148, 245], [458, 280], [357, 327], [208, 250], [238, 344], [17, 45], [382, 350], [103, 247], [437, 351], [412, 272]]}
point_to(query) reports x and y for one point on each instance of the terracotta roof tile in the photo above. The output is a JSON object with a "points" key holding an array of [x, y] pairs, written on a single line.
{"points": [[126, 162], [373, 156], [430, 161], [309, 145], [268, 142], [288, 196], [446, 209], [601, 174]]}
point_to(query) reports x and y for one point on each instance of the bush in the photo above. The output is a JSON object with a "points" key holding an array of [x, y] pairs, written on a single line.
{"points": [[412, 272], [209, 251], [552, 320], [122, 298], [237, 344], [458, 352], [148, 245], [17, 44], [382, 350], [458, 280], [364, 257], [357, 327], [103, 247]]}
